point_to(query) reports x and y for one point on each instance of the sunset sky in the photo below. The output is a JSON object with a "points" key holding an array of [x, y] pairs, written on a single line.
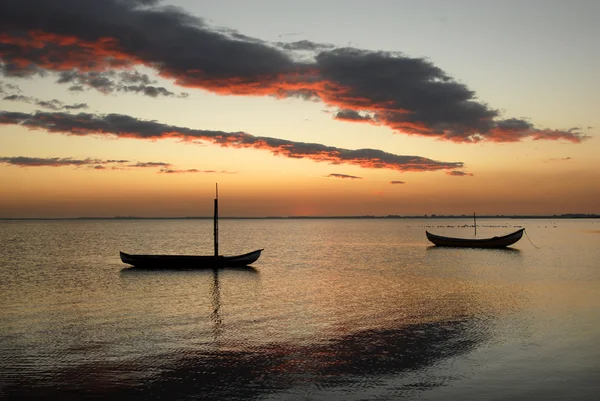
{"points": [[138, 107]]}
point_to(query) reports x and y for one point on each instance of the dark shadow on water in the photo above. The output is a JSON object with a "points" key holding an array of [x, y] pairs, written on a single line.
{"points": [[507, 250], [356, 360], [140, 271]]}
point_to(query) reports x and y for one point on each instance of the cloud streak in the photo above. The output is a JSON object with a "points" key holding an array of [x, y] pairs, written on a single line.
{"points": [[123, 126], [7, 88], [193, 170], [12, 93], [23, 161], [53, 104], [344, 176], [98, 164], [457, 173], [89, 41]]}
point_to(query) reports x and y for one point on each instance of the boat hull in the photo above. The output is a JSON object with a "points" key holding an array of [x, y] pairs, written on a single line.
{"points": [[189, 261], [494, 242]]}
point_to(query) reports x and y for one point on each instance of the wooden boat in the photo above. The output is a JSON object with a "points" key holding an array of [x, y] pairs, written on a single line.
{"points": [[189, 261], [494, 242], [194, 261]]}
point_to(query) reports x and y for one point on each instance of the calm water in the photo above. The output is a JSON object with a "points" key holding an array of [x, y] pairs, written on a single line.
{"points": [[334, 310]]}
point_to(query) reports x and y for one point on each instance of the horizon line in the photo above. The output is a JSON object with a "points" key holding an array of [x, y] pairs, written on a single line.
{"points": [[423, 216]]}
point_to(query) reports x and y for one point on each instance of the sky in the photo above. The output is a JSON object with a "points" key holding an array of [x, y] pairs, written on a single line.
{"points": [[329, 108]]}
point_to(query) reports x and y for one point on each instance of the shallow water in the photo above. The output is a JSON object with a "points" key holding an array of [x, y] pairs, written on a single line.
{"points": [[334, 309]]}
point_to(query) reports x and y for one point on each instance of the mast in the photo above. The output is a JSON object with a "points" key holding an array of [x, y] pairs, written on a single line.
{"points": [[475, 224], [216, 221]]}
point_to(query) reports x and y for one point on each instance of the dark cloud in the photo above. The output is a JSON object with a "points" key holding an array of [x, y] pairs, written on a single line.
{"points": [[457, 173], [149, 164], [17, 89], [397, 182], [151, 91], [101, 81], [134, 77], [352, 115], [173, 171], [111, 81], [92, 39], [76, 106], [97, 164], [123, 126], [351, 177], [305, 45], [53, 104], [193, 170], [23, 161], [94, 36], [17, 98], [8, 88], [143, 2], [559, 159], [50, 104]]}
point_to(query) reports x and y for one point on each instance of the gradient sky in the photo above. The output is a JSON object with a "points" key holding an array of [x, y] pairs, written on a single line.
{"points": [[119, 108]]}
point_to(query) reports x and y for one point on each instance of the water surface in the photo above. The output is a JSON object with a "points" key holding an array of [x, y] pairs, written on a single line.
{"points": [[334, 309]]}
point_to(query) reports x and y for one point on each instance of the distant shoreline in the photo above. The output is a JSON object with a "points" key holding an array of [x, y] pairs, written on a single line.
{"points": [[432, 216]]}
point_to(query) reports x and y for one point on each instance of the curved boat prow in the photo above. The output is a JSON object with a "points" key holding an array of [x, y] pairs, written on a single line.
{"points": [[243, 260]]}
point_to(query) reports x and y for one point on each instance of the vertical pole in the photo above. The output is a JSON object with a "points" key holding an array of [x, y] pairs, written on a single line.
{"points": [[216, 220], [475, 224]]}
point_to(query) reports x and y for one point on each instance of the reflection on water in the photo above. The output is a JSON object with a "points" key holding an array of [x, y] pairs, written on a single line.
{"points": [[354, 361], [508, 250], [216, 303], [333, 310]]}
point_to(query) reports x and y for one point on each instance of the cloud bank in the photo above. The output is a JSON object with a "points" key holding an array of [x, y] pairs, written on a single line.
{"points": [[23, 161], [89, 43], [122, 126]]}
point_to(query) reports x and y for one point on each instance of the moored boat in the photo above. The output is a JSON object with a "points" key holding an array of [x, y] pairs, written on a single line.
{"points": [[493, 242], [214, 261], [189, 261]]}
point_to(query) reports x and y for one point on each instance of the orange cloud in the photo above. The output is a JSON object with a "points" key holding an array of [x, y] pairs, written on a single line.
{"points": [[57, 52]]}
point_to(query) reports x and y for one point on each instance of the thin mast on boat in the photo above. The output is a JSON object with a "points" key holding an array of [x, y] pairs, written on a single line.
{"points": [[216, 220], [475, 224]]}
